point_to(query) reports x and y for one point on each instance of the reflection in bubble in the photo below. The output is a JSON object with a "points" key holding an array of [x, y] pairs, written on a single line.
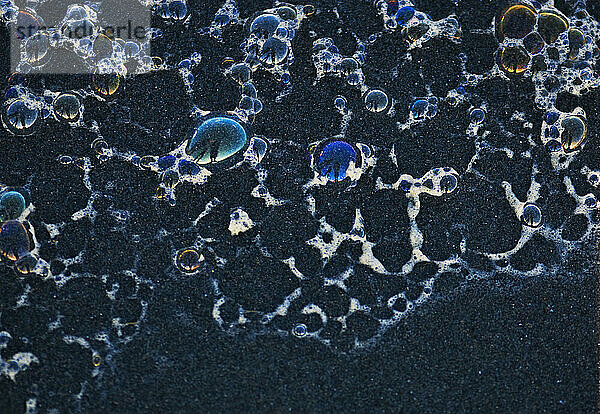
{"points": [[264, 25], [274, 51], [404, 15], [19, 116], [300, 330], [550, 25], [514, 59], [66, 107], [477, 116], [335, 159], [216, 139], [26, 264], [376, 100], [573, 134], [532, 215], [448, 183]]}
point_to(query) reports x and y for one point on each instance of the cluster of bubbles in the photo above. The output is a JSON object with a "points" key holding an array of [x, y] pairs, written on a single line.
{"points": [[563, 134], [18, 246], [417, 27], [557, 51]]}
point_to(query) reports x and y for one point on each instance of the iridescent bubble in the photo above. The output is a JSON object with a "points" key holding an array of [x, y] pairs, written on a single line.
{"points": [[376, 100], [19, 117], [103, 47], [550, 25], [573, 134], [26, 264], [105, 84], [274, 51], [404, 15], [477, 116], [27, 25], [300, 330], [66, 107], [216, 139], [188, 260], [514, 59], [14, 240], [264, 25], [532, 215], [334, 160], [12, 205], [591, 201], [340, 103], [96, 359], [419, 108], [553, 145], [517, 22]]}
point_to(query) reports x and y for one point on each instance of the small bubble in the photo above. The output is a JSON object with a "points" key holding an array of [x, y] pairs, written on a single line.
{"points": [[448, 183], [106, 84], [26, 264], [591, 201], [532, 215], [274, 51], [300, 330], [340, 103], [376, 100], [188, 260], [514, 59], [533, 43], [96, 359], [553, 145], [477, 116], [19, 117]]}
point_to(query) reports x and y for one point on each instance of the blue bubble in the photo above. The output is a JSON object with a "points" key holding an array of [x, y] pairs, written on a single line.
{"points": [[590, 201], [404, 15], [552, 117], [477, 116], [554, 133], [376, 100], [265, 25], [553, 145], [11, 93], [392, 7], [335, 159], [300, 330], [188, 168], [461, 90], [221, 20], [12, 205], [274, 51], [340, 103], [419, 108], [285, 78], [185, 63], [165, 162], [448, 183], [532, 215], [216, 139], [20, 116], [177, 10], [405, 185]]}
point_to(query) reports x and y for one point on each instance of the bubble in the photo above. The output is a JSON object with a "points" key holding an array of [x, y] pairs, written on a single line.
{"points": [[335, 159], [404, 15], [348, 65], [248, 89], [533, 43], [103, 47], [422, 108], [26, 264], [12, 205], [37, 47], [100, 146], [532, 215], [477, 116], [300, 330], [340, 103], [576, 41], [28, 25], [573, 134], [106, 84], [66, 107], [19, 117], [448, 183], [309, 10], [514, 59], [414, 33], [264, 26], [188, 260], [169, 178], [274, 51], [552, 117], [240, 72], [550, 25], [286, 13], [553, 145], [166, 162], [177, 10], [14, 240], [517, 22], [188, 168], [216, 139], [96, 359], [376, 100], [590, 201], [259, 148]]}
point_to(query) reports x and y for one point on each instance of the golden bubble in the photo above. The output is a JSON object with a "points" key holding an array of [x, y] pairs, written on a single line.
{"points": [[105, 84], [189, 260], [103, 47], [550, 25], [574, 133], [157, 61], [227, 62], [517, 22], [161, 192], [96, 359], [99, 146], [309, 10], [146, 160], [66, 107], [514, 59], [576, 41]]}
